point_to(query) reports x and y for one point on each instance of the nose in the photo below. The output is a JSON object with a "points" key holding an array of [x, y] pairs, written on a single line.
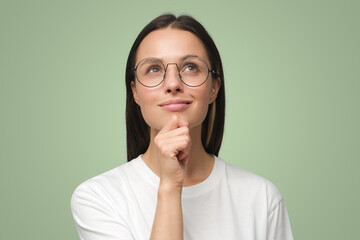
{"points": [[172, 81]]}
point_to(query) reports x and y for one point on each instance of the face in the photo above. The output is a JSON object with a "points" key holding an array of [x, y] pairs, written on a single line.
{"points": [[172, 96]]}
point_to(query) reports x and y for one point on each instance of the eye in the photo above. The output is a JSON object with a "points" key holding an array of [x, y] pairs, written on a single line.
{"points": [[154, 69], [190, 68]]}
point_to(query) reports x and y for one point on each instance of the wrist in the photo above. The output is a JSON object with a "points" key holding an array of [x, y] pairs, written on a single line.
{"points": [[168, 190]]}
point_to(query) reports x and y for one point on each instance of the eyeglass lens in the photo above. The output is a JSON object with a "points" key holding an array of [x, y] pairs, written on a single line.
{"points": [[193, 71]]}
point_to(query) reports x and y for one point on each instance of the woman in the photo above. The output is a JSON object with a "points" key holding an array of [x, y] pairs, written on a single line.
{"points": [[174, 186]]}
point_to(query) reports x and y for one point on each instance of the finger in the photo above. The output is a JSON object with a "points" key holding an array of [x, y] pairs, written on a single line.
{"points": [[183, 155], [175, 141], [170, 125], [173, 146], [173, 133], [182, 122], [166, 140], [183, 147]]}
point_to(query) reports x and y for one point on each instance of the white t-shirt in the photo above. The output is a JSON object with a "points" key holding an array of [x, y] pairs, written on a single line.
{"points": [[230, 204]]}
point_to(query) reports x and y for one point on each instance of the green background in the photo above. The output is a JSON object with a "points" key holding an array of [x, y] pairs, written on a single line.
{"points": [[292, 84]]}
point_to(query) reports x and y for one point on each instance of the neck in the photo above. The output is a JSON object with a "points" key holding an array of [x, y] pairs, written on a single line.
{"points": [[200, 163]]}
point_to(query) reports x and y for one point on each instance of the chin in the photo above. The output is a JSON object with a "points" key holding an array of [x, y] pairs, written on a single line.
{"points": [[156, 120]]}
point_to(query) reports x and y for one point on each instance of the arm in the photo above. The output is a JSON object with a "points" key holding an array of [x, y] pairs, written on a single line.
{"points": [[173, 147], [168, 222]]}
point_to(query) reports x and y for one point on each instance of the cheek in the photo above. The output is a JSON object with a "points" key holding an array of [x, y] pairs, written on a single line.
{"points": [[203, 95], [148, 107], [202, 106]]}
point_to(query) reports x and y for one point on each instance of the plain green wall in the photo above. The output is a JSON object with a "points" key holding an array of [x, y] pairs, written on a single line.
{"points": [[292, 82]]}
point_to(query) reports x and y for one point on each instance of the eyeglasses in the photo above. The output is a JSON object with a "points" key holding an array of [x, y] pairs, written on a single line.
{"points": [[193, 71]]}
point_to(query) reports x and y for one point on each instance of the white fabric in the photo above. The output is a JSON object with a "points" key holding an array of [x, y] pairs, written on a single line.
{"points": [[230, 204]]}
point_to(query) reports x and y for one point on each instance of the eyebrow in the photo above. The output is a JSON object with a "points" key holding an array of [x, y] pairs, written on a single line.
{"points": [[188, 56], [183, 58]]}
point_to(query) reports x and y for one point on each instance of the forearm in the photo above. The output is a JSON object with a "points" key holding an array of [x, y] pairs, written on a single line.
{"points": [[168, 221]]}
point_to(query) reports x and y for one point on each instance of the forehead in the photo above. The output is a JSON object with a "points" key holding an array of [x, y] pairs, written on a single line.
{"points": [[170, 45]]}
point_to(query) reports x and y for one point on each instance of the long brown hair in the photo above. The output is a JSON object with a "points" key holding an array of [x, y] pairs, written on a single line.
{"points": [[137, 131]]}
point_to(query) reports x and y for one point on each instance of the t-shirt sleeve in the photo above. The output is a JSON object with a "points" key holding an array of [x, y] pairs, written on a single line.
{"points": [[278, 223], [95, 218]]}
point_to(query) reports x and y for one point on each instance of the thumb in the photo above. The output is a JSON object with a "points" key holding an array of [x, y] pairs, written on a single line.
{"points": [[181, 122], [171, 124]]}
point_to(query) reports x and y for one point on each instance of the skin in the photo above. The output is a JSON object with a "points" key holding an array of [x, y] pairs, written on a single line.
{"points": [[175, 152]]}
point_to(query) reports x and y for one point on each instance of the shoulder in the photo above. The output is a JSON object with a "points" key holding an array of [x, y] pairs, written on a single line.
{"points": [[101, 206], [104, 187], [254, 186]]}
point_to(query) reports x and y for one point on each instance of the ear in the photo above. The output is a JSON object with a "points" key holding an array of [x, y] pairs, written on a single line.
{"points": [[215, 89], [135, 95]]}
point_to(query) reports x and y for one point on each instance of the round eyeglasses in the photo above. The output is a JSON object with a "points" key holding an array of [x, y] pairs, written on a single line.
{"points": [[193, 71]]}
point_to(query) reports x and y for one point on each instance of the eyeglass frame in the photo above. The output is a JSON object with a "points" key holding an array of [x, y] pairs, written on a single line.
{"points": [[212, 71]]}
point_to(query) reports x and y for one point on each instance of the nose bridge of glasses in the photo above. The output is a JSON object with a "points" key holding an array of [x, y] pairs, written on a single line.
{"points": [[167, 65], [177, 69]]}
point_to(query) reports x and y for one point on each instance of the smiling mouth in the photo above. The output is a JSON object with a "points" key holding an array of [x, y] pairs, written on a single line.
{"points": [[175, 106]]}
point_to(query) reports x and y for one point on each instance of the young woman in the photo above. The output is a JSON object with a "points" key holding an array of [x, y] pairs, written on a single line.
{"points": [[174, 186]]}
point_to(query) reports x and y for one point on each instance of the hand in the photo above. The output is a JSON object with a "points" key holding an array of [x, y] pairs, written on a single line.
{"points": [[173, 148]]}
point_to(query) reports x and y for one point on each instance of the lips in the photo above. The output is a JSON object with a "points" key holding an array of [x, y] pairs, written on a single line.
{"points": [[175, 105]]}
